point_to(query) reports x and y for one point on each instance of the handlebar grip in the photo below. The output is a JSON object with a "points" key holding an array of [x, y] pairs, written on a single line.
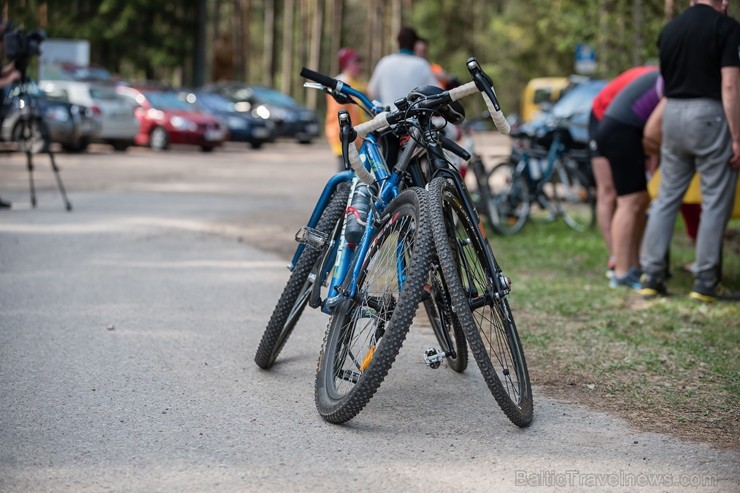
{"points": [[379, 122], [462, 91], [322, 79], [362, 173], [497, 116]]}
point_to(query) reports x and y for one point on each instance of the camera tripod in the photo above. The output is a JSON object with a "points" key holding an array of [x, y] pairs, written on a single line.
{"points": [[32, 135]]}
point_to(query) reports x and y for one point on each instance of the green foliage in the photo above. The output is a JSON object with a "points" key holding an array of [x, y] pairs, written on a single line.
{"points": [[517, 40]]}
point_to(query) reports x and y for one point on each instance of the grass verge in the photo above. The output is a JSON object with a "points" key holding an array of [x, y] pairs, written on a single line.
{"points": [[669, 365]]}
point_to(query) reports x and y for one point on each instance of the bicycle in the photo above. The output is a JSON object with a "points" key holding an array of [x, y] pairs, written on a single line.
{"points": [[356, 355], [324, 257], [548, 175]]}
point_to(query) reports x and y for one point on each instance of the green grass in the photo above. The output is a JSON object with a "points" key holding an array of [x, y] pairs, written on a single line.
{"points": [[671, 364]]}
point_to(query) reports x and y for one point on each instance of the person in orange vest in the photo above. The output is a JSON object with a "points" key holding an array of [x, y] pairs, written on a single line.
{"points": [[350, 67]]}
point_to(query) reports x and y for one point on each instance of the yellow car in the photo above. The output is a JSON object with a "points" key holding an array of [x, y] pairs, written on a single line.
{"points": [[539, 91]]}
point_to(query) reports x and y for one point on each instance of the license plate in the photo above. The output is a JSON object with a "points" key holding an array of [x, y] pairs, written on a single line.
{"points": [[312, 128], [214, 135], [260, 133]]}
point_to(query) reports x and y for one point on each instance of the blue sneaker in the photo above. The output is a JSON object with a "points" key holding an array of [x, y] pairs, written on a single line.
{"points": [[630, 280]]}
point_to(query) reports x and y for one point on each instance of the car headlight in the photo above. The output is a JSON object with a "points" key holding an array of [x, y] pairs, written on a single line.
{"points": [[238, 123], [262, 111], [181, 123]]}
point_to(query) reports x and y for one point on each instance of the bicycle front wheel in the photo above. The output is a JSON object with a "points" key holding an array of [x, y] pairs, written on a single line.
{"points": [[297, 291], [366, 332], [507, 198], [481, 307]]}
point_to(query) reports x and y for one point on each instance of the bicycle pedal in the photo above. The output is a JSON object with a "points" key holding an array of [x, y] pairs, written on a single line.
{"points": [[311, 237], [433, 358]]}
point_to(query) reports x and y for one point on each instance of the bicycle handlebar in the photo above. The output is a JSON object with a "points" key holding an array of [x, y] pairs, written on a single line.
{"points": [[322, 79]]}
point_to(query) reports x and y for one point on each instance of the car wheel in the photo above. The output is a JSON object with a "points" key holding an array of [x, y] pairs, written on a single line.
{"points": [[255, 144], [206, 148], [79, 146], [158, 139], [305, 141], [34, 138], [120, 145]]}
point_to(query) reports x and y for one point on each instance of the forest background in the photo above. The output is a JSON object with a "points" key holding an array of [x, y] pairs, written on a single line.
{"points": [[268, 41]]}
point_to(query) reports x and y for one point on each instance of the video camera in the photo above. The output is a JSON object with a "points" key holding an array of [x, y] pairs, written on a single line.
{"points": [[21, 45]]}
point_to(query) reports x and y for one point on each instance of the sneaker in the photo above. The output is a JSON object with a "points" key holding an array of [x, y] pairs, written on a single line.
{"points": [[630, 280], [610, 266], [709, 292], [651, 286]]}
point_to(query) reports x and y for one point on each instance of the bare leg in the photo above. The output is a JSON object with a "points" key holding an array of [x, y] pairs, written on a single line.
{"points": [[627, 228], [606, 200]]}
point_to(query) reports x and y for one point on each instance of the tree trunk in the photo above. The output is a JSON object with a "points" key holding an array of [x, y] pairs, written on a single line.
{"points": [[268, 69], [636, 32], [315, 53], [244, 52], [669, 9], [287, 61], [336, 35]]}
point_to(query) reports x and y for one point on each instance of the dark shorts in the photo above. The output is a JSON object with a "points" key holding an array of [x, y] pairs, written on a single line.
{"points": [[593, 127], [622, 145]]}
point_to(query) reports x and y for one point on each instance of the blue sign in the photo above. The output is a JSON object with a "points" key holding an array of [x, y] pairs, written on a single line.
{"points": [[585, 59]]}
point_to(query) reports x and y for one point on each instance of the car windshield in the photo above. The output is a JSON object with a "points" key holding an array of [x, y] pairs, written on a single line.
{"points": [[167, 101], [103, 92], [271, 96], [214, 102], [578, 100]]}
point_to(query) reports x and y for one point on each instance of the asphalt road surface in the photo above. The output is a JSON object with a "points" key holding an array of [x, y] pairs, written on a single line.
{"points": [[128, 328]]}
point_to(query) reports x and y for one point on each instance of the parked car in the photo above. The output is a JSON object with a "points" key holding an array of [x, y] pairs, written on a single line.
{"points": [[291, 119], [243, 126], [70, 125], [166, 119], [118, 124]]}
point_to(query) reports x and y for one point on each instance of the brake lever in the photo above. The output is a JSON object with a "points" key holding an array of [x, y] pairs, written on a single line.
{"points": [[482, 81], [347, 134]]}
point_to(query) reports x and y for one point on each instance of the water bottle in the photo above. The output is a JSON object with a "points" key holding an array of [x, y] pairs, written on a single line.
{"points": [[357, 214]]}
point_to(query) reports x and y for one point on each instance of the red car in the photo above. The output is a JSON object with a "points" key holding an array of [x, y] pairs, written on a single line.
{"points": [[165, 119]]}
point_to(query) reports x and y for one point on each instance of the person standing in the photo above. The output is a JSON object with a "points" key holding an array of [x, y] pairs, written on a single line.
{"points": [[701, 132], [619, 139], [396, 74], [606, 195], [350, 67]]}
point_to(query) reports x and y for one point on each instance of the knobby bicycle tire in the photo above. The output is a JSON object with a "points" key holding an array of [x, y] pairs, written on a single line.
{"points": [[489, 328], [366, 332], [295, 295], [508, 198]]}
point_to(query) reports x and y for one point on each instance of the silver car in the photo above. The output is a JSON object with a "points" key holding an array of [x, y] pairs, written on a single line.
{"points": [[118, 124], [68, 124]]}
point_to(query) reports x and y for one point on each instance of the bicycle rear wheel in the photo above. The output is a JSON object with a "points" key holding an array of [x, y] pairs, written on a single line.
{"points": [[576, 199], [366, 332], [297, 291], [508, 198], [483, 310], [445, 324]]}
